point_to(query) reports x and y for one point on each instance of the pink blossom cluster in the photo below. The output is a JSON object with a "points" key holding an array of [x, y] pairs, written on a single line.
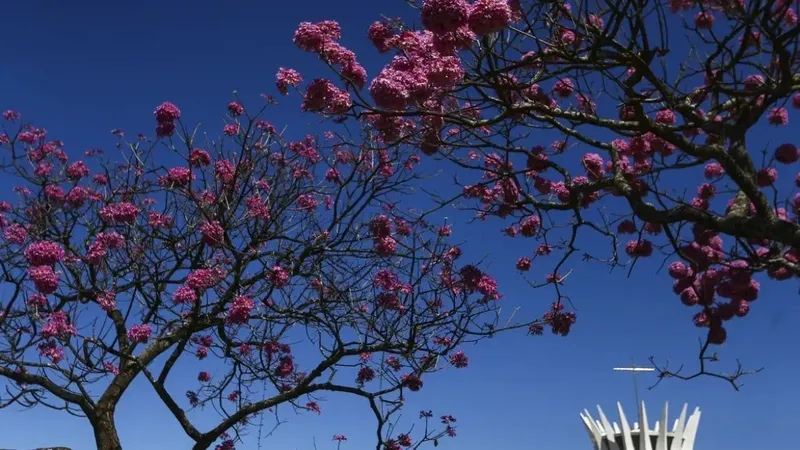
{"points": [[239, 310], [474, 280], [139, 333], [279, 276], [44, 278], [199, 158], [322, 95], [381, 229], [184, 294], [77, 170], [166, 114], [177, 177], [723, 292], [44, 253], [51, 350], [58, 326], [122, 212], [213, 233], [411, 381], [37, 301], [158, 220], [287, 77], [107, 300], [257, 207], [453, 16], [322, 38], [15, 234], [459, 360], [204, 279], [307, 202]]}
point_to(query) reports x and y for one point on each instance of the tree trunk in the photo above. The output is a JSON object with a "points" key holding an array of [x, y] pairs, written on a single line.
{"points": [[105, 431]]}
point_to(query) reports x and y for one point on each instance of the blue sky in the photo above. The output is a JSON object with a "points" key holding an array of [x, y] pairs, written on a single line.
{"points": [[80, 69]]}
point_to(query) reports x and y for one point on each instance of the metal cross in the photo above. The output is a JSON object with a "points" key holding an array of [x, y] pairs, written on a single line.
{"points": [[634, 370]]}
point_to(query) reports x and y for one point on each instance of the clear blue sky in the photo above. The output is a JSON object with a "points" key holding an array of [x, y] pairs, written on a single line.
{"points": [[83, 68]]}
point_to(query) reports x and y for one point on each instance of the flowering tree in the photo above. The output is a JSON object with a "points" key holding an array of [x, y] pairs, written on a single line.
{"points": [[640, 123], [285, 267]]}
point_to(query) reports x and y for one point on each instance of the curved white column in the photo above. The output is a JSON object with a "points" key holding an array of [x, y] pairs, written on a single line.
{"points": [[606, 435]]}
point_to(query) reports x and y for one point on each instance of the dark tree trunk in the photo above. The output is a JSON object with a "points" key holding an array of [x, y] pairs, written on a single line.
{"points": [[105, 431]]}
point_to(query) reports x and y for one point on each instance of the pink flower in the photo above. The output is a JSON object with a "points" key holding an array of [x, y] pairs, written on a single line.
{"points": [[365, 374], [44, 253], [285, 78], [380, 226], [386, 280], [179, 176], [379, 34], [165, 129], [404, 440], [231, 129], [225, 171], [15, 233], [235, 108], [778, 116], [77, 170], [524, 264], [123, 212], [787, 154], [594, 165], [307, 202], [37, 301], [666, 117], [11, 115], [58, 327], [312, 36], [257, 207], [796, 101], [184, 294], [157, 220], [713, 170], [563, 88], [385, 246], [111, 368], [529, 226], [51, 350], [704, 20], [285, 366], [167, 112], [322, 95], [239, 311], [279, 277], [199, 158], [459, 360], [213, 233], [441, 16], [411, 381], [203, 377], [314, 407], [44, 278], [766, 176], [107, 300], [640, 248], [139, 333], [204, 279], [678, 270], [489, 16]]}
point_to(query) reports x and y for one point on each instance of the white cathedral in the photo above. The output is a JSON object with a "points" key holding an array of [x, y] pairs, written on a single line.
{"points": [[606, 435]]}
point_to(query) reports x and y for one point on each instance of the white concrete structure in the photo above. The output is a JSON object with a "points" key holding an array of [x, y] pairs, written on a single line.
{"points": [[608, 436]]}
